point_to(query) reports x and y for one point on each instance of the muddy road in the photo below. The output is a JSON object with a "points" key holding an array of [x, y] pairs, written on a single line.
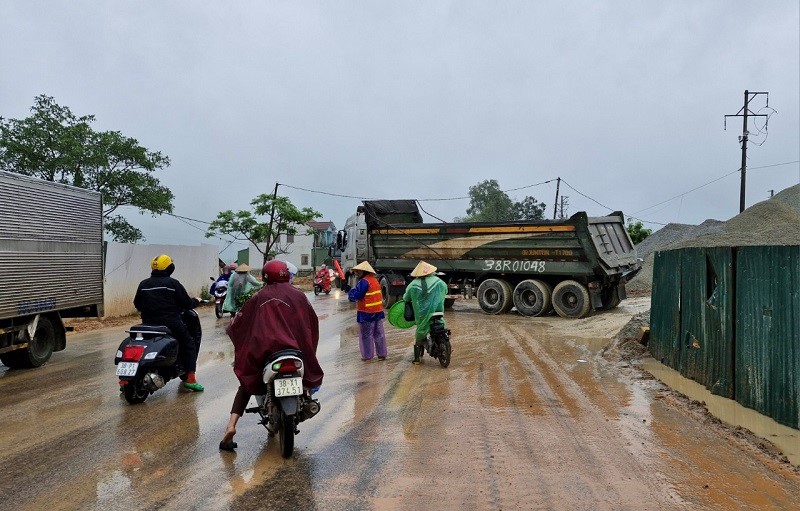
{"points": [[527, 416]]}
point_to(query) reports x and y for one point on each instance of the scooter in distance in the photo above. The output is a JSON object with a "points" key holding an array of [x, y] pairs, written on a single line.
{"points": [[147, 359], [321, 286], [220, 292], [286, 404]]}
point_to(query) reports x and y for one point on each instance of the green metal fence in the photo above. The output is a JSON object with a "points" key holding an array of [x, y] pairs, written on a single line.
{"points": [[768, 331], [729, 318]]}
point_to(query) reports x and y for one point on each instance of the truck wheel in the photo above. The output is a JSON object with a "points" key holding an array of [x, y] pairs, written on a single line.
{"points": [[388, 299], [610, 298], [495, 296], [533, 297], [571, 299], [39, 349]]}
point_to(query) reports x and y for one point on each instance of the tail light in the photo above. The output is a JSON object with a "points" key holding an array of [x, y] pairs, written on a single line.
{"points": [[287, 366], [132, 352]]}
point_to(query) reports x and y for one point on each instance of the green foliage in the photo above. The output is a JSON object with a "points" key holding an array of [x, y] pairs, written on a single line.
{"points": [[253, 226], [637, 231], [488, 203], [529, 209], [243, 297], [56, 145], [204, 294]]}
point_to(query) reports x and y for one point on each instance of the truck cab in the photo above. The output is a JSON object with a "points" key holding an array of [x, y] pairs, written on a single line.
{"points": [[351, 242]]}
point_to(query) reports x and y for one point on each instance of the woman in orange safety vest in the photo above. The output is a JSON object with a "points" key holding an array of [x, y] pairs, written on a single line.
{"points": [[367, 295]]}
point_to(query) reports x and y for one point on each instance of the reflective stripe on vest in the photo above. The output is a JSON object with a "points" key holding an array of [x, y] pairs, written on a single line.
{"points": [[372, 301]]}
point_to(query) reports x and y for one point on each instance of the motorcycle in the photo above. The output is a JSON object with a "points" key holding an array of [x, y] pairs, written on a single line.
{"points": [[321, 286], [286, 404], [147, 359], [220, 292], [438, 342]]}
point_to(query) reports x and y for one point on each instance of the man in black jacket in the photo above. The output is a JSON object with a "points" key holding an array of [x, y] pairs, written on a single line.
{"points": [[161, 300]]}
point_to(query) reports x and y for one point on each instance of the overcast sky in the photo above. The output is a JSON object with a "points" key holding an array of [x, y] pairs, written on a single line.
{"points": [[624, 100]]}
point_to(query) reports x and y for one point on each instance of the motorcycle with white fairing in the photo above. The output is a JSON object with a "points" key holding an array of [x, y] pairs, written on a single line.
{"points": [[286, 404]]}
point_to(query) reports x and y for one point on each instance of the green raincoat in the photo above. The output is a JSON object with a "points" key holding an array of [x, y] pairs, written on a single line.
{"points": [[238, 284], [427, 295]]}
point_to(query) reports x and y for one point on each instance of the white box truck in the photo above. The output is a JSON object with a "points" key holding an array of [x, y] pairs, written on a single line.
{"points": [[51, 265]]}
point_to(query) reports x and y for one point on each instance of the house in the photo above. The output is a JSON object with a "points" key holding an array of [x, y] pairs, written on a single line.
{"points": [[306, 251]]}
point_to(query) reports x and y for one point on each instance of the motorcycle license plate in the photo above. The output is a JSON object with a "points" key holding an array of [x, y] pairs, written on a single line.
{"points": [[288, 387], [127, 368]]}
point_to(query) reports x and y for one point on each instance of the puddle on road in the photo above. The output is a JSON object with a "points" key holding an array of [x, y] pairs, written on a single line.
{"points": [[729, 411]]}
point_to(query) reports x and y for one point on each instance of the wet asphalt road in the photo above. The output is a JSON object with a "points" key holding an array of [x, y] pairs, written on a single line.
{"points": [[526, 417]]}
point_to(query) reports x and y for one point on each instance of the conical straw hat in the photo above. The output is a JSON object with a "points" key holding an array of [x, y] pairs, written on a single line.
{"points": [[364, 266], [423, 269], [242, 268]]}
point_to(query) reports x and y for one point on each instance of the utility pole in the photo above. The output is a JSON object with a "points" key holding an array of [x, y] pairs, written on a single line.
{"points": [[771, 193], [745, 113], [555, 204], [564, 205]]}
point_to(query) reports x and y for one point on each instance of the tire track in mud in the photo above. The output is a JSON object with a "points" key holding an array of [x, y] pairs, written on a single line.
{"points": [[612, 477]]}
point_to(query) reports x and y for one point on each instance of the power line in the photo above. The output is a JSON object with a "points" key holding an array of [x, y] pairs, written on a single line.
{"points": [[604, 206], [714, 181], [419, 200]]}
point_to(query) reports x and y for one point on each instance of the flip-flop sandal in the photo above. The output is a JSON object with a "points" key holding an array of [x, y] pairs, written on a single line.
{"points": [[228, 446]]}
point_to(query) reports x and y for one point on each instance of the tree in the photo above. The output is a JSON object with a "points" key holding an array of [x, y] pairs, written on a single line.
{"points": [[637, 231], [529, 209], [283, 217], [488, 203], [56, 145]]}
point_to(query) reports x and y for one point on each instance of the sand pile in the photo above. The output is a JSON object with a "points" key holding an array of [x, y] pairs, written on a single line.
{"points": [[773, 222]]}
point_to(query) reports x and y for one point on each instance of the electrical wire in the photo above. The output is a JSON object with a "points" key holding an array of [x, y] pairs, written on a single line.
{"points": [[434, 199], [604, 206], [434, 216], [714, 181]]}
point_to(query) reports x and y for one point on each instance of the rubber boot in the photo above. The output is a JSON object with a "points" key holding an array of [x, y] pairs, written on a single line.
{"points": [[191, 383], [418, 350]]}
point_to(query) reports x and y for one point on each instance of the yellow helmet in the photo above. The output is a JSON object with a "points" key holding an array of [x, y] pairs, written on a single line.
{"points": [[161, 262]]}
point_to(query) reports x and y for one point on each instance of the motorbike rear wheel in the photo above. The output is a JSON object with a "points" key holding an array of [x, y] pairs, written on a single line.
{"points": [[444, 355], [218, 309], [135, 392], [286, 435]]}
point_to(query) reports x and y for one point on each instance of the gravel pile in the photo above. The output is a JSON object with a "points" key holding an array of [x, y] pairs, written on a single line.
{"points": [[773, 222]]}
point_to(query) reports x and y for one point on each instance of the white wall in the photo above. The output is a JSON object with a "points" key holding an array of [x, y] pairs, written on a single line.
{"points": [[127, 265], [301, 245]]}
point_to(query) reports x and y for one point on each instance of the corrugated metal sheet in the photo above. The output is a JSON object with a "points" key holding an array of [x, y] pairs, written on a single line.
{"points": [[718, 316], [665, 312], [729, 318], [768, 331], [50, 246], [692, 361]]}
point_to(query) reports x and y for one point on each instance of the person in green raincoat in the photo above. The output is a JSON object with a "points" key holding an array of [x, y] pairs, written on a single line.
{"points": [[240, 283], [426, 294]]}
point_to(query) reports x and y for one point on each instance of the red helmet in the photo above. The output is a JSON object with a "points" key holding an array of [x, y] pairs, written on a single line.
{"points": [[275, 271]]}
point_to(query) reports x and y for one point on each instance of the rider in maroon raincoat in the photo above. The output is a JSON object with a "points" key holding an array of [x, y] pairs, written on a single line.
{"points": [[276, 318]]}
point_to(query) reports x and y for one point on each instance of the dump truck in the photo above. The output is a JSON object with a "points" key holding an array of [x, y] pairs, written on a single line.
{"points": [[51, 265], [572, 266]]}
